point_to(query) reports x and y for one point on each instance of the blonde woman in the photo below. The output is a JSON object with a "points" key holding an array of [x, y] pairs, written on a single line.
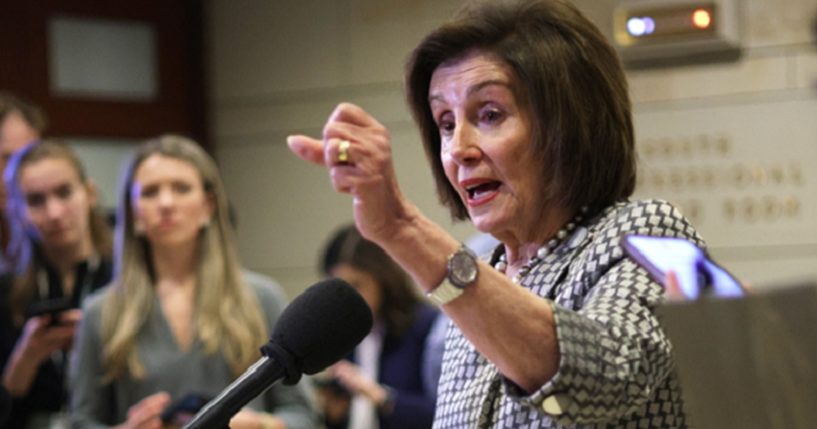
{"points": [[60, 250], [179, 318]]}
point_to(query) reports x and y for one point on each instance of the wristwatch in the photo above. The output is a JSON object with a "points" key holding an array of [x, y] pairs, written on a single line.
{"points": [[461, 271]]}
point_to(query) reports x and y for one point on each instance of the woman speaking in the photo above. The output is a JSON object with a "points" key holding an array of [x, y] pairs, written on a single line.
{"points": [[525, 118]]}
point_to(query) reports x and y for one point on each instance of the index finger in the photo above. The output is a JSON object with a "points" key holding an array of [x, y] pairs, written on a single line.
{"points": [[150, 406], [673, 287], [306, 148], [69, 316], [353, 114], [147, 411]]}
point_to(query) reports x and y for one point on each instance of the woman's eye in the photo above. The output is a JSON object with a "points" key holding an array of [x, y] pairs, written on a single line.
{"points": [[446, 124], [35, 200], [149, 191], [182, 187], [491, 115], [64, 192]]}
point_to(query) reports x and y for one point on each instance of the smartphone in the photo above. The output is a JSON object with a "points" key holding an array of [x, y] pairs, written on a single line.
{"points": [[179, 413], [696, 273], [331, 385], [52, 307]]}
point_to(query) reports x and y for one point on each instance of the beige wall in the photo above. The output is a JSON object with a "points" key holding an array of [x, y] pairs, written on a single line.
{"points": [[279, 67], [735, 144]]}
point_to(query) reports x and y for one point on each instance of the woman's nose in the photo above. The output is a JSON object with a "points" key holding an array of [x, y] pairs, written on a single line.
{"points": [[54, 208], [166, 198], [464, 145]]}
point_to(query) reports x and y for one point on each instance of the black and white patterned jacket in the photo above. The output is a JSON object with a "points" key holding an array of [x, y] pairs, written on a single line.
{"points": [[616, 369]]}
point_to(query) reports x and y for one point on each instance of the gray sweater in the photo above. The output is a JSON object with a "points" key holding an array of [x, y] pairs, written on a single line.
{"points": [[169, 369]]}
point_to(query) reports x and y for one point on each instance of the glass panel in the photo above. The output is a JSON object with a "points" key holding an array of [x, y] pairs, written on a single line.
{"points": [[103, 58]]}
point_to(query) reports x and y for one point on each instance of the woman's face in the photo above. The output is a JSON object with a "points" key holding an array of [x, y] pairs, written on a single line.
{"points": [[170, 205], [363, 282], [57, 204], [486, 143]]}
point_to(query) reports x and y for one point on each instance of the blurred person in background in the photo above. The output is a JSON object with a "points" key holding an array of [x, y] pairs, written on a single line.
{"points": [[20, 123], [60, 252], [179, 322], [390, 381]]}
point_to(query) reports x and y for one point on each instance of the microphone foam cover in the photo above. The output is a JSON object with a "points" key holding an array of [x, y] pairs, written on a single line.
{"points": [[321, 325]]}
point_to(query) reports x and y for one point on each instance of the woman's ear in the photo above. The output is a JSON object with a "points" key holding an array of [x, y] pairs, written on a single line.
{"points": [[93, 192], [210, 200], [138, 228]]}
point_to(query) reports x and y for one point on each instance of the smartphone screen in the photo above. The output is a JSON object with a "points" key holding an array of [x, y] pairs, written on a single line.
{"points": [[695, 272], [723, 283]]}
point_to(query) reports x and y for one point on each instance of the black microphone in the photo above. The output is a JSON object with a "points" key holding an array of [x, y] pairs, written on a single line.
{"points": [[319, 327]]}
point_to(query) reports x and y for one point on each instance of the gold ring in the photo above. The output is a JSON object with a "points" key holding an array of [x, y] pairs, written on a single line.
{"points": [[343, 151]]}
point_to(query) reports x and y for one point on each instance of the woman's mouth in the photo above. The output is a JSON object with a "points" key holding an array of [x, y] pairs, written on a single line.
{"points": [[480, 191], [167, 223]]}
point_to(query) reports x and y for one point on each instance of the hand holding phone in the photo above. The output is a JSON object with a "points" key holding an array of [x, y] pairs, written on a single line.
{"points": [[51, 307], [147, 412], [694, 271], [42, 335], [182, 411]]}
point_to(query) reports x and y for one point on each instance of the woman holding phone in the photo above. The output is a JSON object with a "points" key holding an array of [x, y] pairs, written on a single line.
{"points": [[60, 252]]}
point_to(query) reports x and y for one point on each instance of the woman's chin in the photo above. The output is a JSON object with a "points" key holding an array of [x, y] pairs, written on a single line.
{"points": [[486, 224]]}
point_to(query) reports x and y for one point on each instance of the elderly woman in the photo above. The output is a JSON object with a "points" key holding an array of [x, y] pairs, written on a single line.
{"points": [[179, 318], [525, 118]]}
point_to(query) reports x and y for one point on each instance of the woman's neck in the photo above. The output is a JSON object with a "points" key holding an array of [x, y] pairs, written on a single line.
{"points": [[65, 259], [176, 265], [176, 279], [521, 247]]}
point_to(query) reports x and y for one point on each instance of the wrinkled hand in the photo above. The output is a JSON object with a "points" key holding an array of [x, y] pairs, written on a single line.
{"points": [[368, 174], [146, 413], [352, 378]]}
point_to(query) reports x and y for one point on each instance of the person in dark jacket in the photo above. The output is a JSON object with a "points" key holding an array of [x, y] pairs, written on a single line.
{"points": [[60, 252], [390, 380]]}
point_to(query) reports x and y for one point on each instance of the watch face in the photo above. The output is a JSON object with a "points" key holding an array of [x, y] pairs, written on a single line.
{"points": [[463, 268]]}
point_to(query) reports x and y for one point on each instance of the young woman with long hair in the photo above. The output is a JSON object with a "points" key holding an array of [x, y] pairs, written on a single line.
{"points": [[390, 380], [60, 251], [179, 317]]}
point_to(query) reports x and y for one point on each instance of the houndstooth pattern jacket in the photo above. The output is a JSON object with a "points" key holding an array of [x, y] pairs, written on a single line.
{"points": [[615, 371]]}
